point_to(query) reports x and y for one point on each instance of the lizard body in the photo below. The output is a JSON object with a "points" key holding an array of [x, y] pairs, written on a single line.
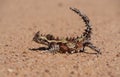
{"points": [[68, 45]]}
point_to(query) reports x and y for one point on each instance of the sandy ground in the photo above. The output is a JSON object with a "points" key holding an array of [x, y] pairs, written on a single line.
{"points": [[21, 19]]}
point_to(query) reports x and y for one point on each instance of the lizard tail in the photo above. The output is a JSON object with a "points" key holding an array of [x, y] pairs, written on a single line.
{"points": [[88, 30]]}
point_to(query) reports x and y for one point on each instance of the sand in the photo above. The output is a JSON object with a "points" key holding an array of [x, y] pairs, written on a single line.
{"points": [[21, 19]]}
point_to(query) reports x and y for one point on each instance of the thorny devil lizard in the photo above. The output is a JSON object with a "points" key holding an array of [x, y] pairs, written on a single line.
{"points": [[68, 45]]}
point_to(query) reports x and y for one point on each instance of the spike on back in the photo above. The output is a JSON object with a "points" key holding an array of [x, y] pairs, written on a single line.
{"points": [[50, 37], [57, 38]]}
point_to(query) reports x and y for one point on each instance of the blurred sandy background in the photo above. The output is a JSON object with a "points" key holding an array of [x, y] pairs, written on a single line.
{"points": [[20, 19]]}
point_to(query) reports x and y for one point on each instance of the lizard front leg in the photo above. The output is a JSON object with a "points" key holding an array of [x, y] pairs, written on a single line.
{"points": [[53, 47]]}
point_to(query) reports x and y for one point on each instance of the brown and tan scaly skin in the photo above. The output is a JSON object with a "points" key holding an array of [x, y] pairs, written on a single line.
{"points": [[68, 45]]}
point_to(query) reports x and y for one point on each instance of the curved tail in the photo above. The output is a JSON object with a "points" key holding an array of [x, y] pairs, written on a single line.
{"points": [[88, 30]]}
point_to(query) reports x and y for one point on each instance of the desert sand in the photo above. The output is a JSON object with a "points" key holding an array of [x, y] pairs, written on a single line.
{"points": [[21, 19]]}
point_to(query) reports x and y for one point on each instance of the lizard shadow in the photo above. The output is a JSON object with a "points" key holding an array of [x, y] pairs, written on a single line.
{"points": [[45, 48], [40, 48]]}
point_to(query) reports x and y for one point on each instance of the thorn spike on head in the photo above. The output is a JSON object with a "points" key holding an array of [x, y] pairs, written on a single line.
{"points": [[38, 32], [50, 37]]}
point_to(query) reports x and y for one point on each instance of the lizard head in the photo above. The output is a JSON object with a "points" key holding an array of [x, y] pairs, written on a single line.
{"points": [[43, 39], [39, 38]]}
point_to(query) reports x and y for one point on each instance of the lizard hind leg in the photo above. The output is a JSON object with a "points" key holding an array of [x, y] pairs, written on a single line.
{"points": [[90, 45]]}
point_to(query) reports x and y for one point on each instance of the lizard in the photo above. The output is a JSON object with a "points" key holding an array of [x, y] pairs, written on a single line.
{"points": [[71, 44]]}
